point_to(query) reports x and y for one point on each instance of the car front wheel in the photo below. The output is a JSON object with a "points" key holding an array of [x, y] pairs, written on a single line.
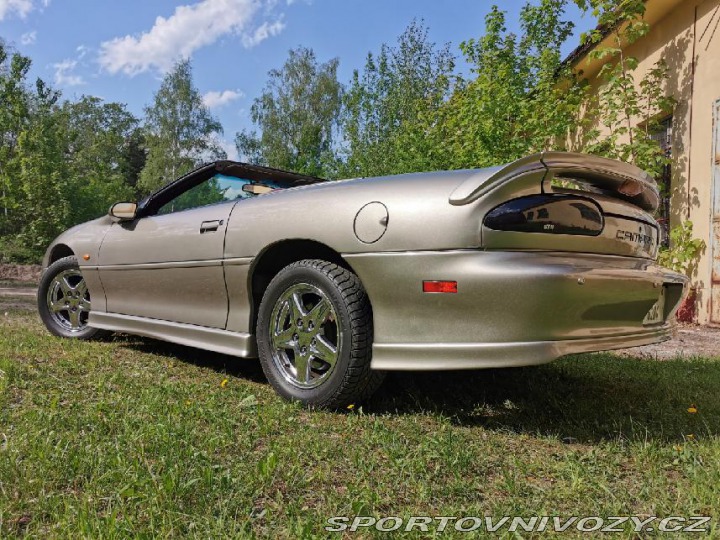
{"points": [[314, 335], [64, 301]]}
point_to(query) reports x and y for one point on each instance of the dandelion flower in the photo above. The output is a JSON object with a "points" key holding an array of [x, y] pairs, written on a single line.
{"points": [[692, 409], [224, 383]]}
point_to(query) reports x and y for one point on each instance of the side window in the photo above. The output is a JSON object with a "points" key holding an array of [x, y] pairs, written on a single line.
{"points": [[219, 188]]}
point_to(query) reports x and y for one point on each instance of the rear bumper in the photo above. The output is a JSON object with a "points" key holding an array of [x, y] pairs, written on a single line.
{"points": [[439, 356], [512, 308]]}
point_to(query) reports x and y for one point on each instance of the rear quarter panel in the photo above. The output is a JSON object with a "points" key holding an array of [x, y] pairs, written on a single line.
{"points": [[419, 216]]}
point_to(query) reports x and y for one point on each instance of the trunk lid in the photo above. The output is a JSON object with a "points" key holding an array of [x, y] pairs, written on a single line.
{"points": [[558, 201]]}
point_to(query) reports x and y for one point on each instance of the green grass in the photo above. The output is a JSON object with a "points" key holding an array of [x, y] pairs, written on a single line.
{"points": [[137, 438]]}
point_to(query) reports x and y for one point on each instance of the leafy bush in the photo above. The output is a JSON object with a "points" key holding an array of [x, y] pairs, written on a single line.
{"points": [[13, 250], [684, 251]]}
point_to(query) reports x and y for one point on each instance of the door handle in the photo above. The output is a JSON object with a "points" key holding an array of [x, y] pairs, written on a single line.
{"points": [[210, 226]]}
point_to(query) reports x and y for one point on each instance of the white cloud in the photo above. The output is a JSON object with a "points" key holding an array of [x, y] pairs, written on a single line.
{"points": [[21, 8], [64, 75], [188, 29], [29, 38], [261, 33], [230, 149], [213, 99], [18, 7]]}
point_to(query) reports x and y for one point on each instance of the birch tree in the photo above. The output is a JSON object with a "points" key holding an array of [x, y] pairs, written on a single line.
{"points": [[179, 130]]}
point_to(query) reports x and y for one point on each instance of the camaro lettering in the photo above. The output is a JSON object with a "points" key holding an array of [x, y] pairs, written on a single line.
{"points": [[638, 238]]}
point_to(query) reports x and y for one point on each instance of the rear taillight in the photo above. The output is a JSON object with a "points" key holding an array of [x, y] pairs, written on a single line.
{"points": [[549, 214]]}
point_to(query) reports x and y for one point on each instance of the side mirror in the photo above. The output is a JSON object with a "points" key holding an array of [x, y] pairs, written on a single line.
{"points": [[124, 211]]}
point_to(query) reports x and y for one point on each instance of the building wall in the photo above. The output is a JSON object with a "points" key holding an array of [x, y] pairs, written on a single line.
{"points": [[680, 32]]}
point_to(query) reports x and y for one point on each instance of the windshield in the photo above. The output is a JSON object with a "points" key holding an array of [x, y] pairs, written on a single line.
{"points": [[219, 188], [232, 187]]}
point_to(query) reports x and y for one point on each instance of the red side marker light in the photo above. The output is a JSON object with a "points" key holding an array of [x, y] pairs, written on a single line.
{"points": [[440, 286]]}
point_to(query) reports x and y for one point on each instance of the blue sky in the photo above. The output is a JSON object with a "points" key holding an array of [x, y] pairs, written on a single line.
{"points": [[119, 49]]}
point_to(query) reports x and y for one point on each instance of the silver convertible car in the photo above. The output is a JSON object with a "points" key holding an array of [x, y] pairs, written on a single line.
{"points": [[333, 283]]}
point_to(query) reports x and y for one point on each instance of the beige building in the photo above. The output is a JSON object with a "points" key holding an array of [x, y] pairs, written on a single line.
{"points": [[686, 34]]}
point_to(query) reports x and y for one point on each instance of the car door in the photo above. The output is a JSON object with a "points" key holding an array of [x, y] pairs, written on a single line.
{"points": [[169, 265]]}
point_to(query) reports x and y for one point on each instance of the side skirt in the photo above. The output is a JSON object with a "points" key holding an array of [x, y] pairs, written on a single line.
{"points": [[210, 339]]}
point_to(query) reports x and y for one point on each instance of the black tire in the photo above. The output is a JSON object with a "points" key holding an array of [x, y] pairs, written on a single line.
{"points": [[350, 380], [53, 321]]}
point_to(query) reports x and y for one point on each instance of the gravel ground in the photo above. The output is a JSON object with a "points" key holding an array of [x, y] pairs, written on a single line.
{"points": [[689, 341]]}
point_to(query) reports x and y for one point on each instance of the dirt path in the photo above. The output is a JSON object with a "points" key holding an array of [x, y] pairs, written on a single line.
{"points": [[18, 291]]}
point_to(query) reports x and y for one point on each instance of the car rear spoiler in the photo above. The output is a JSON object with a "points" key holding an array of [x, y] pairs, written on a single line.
{"points": [[595, 174]]}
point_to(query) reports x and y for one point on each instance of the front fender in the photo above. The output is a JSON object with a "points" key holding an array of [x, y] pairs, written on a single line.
{"points": [[83, 239]]}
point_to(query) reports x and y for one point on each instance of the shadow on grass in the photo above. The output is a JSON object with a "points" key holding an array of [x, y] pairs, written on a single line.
{"points": [[222, 363], [586, 398]]}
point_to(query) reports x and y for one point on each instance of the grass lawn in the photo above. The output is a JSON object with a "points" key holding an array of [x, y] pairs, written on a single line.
{"points": [[137, 438]]}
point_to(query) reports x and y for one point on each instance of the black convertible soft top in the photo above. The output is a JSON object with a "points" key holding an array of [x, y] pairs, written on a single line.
{"points": [[259, 173]]}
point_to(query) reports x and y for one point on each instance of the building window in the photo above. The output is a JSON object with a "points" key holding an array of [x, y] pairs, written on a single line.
{"points": [[663, 135]]}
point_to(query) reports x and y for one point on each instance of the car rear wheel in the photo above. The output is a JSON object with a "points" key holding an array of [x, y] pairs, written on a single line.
{"points": [[64, 301], [315, 333]]}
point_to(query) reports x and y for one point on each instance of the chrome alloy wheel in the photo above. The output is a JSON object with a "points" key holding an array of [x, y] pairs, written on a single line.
{"points": [[68, 300], [305, 336]]}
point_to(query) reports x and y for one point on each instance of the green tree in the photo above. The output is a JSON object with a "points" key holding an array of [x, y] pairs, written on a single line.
{"points": [[60, 163], [35, 207], [521, 99], [14, 117], [96, 135], [179, 130], [627, 107], [391, 103], [133, 159], [47, 189], [297, 114]]}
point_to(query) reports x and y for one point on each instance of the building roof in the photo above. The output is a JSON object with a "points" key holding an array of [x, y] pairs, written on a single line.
{"points": [[655, 10]]}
